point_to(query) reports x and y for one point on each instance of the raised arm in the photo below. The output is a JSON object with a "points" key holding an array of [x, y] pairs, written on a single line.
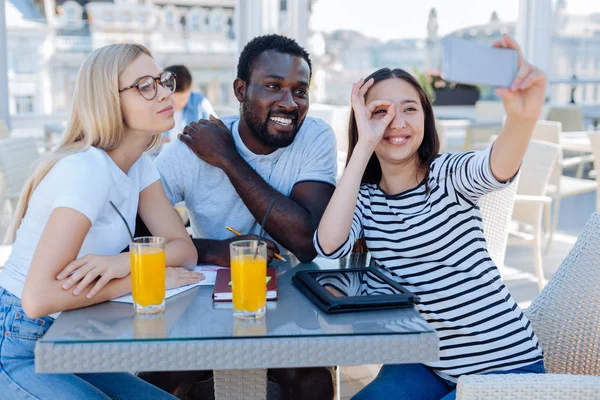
{"points": [[337, 220], [523, 103]]}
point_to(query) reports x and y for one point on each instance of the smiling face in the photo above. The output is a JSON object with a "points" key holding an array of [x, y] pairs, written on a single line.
{"points": [[404, 135], [141, 115], [275, 100]]}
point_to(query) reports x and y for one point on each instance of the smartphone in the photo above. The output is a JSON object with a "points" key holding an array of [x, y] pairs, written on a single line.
{"points": [[478, 64]]}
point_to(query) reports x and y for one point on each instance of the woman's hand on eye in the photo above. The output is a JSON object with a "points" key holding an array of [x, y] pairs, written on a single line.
{"points": [[370, 128]]}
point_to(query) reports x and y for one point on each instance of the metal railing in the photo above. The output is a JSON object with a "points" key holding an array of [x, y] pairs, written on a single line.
{"points": [[575, 90]]}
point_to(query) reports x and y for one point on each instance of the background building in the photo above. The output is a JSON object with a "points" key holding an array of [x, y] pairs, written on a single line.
{"points": [[48, 40], [574, 47]]}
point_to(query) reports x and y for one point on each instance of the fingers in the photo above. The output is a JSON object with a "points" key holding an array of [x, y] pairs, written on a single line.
{"points": [[505, 94], [389, 115], [359, 89], [193, 127], [183, 277], [355, 89], [524, 71], [364, 88], [72, 266], [217, 121], [534, 77], [270, 255], [89, 278], [76, 276], [377, 103], [185, 136], [98, 286], [510, 43]]}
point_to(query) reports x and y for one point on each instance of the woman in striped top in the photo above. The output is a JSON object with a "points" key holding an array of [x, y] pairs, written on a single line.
{"points": [[419, 215]]}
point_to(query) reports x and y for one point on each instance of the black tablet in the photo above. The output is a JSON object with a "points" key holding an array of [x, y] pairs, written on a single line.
{"points": [[353, 289]]}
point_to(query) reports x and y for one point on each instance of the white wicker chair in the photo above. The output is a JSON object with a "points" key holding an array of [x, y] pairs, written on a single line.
{"points": [[560, 186], [571, 117], [496, 211], [566, 320], [478, 138], [538, 163], [572, 120], [595, 142], [16, 157]]}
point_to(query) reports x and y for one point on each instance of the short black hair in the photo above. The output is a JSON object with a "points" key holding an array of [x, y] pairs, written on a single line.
{"points": [[260, 44], [184, 77]]}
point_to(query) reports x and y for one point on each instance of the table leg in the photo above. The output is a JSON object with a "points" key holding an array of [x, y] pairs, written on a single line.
{"points": [[241, 384]]}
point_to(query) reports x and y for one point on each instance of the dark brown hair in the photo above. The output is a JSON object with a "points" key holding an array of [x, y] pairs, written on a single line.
{"points": [[430, 146], [184, 77]]}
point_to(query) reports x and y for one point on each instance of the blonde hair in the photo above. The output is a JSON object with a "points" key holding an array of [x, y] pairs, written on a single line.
{"points": [[96, 118]]}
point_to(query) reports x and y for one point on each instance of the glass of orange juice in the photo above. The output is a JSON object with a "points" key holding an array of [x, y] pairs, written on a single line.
{"points": [[248, 278], [148, 270]]}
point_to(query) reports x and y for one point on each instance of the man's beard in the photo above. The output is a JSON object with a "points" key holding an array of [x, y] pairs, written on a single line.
{"points": [[260, 129]]}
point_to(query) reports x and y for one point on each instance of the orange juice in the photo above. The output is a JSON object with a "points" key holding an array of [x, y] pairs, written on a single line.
{"points": [[148, 270], [248, 280]]}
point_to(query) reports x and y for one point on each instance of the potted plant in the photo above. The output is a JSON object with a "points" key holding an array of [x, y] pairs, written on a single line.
{"points": [[445, 93]]}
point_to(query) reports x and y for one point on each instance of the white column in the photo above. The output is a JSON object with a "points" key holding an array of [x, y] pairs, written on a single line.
{"points": [[270, 17], [248, 21], [534, 32], [4, 114], [255, 18], [298, 21]]}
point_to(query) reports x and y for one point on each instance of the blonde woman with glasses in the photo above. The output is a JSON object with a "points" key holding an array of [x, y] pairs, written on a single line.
{"points": [[66, 236]]}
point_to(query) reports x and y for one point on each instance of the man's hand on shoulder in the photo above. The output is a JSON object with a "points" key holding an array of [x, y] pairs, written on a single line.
{"points": [[211, 141]]}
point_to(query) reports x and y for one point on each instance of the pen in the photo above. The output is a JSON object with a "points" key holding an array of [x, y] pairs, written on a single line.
{"points": [[230, 229]]}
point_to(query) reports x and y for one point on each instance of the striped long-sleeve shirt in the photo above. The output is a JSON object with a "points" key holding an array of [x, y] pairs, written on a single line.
{"points": [[431, 241]]}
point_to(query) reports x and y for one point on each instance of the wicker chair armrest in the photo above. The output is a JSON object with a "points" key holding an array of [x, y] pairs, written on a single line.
{"points": [[528, 387], [573, 161], [525, 198]]}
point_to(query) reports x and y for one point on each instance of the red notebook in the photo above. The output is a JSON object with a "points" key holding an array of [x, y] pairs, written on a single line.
{"points": [[222, 290]]}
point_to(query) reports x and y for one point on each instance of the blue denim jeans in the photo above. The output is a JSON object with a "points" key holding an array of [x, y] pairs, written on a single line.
{"points": [[18, 380], [418, 382]]}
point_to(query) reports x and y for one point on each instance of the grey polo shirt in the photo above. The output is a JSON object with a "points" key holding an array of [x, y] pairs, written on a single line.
{"points": [[211, 199]]}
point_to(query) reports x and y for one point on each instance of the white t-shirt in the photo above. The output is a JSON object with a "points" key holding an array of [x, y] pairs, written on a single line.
{"points": [[86, 182]]}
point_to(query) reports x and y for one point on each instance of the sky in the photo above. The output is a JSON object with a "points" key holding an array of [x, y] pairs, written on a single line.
{"points": [[393, 19]]}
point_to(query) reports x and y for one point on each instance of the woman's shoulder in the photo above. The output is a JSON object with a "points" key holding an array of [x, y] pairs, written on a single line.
{"points": [[90, 157], [90, 163]]}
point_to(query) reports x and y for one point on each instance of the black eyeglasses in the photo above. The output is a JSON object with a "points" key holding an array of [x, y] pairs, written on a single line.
{"points": [[147, 85]]}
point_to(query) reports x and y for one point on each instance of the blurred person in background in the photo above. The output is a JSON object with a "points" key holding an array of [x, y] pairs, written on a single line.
{"points": [[190, 105]]}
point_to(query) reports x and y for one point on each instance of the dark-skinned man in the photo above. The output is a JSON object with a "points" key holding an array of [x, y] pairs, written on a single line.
{"points": [[228, 171]]}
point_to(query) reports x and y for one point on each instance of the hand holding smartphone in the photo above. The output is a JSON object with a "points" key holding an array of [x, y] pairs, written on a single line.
{"points": [[478, 64]]}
